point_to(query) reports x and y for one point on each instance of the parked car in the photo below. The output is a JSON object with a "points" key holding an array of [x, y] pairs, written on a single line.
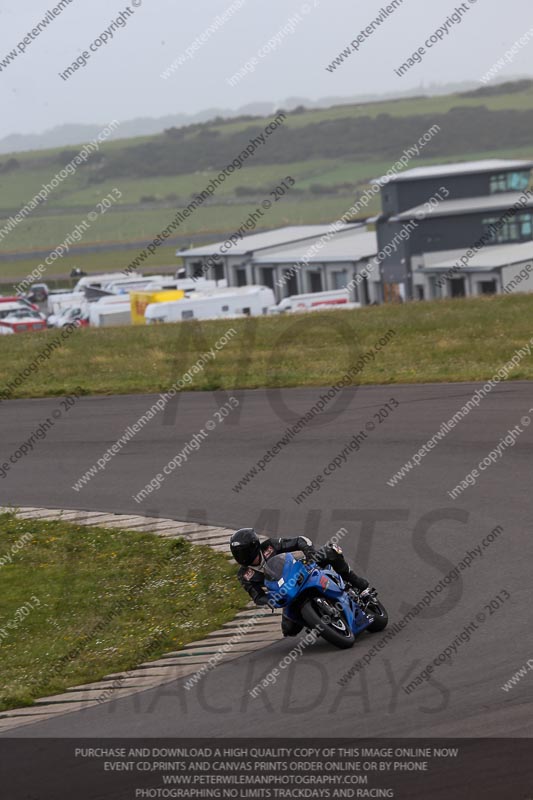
{"points": [[38, 293], [20, 318], [75, 314]]}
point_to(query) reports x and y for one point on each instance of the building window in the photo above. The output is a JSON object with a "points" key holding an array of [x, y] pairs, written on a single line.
{"points": [[517, 229], [315, 281], [436, 290], [267, 277], [365, 294], [187, 314], [340, 280], [197, 269], [487, 287], [527, 226], [219, 271], [457, 287], [509, 182], [241, 276], [291, 282]]}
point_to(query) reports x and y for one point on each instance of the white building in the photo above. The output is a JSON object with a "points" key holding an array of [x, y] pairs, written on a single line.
{"points": [[500, 269], [292, 260], [324, 266]]}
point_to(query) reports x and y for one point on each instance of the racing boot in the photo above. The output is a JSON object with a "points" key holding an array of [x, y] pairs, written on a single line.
{"points": [[356, 582]]}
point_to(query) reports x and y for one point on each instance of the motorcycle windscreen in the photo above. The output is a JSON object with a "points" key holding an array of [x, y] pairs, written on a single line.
{"points": [[283, 578], [275, 566]]}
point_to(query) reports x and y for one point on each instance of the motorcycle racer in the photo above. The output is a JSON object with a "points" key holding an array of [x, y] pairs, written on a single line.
{"points": [[252, 554]]}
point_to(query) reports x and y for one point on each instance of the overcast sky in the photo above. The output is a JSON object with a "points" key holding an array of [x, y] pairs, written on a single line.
{"points": [[122, 80]]}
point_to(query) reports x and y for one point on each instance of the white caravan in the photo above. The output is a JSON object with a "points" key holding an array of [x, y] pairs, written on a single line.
{"points": [[115, 309], [246, 301], [187, 285], [157, 283]]}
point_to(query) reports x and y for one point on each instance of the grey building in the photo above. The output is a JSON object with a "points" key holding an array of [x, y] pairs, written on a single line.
{"points": [[231, 258], [292, 260], [450, 209], [449, 230], [502, 269], [340, 262]]}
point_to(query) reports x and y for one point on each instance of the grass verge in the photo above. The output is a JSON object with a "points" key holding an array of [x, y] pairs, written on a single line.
{"points": [[79, 603], [453, 340]]}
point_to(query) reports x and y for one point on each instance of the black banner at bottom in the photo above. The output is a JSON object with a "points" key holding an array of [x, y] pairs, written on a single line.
{"points": [[296, 769]]}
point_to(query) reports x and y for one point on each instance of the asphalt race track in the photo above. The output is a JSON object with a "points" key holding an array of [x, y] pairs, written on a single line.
{"points": [[404, 538]]}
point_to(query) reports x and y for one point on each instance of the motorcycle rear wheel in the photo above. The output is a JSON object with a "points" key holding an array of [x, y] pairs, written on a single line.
{"points": [[335, 631]]}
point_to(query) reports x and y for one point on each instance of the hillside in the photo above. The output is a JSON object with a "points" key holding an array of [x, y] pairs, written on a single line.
{"points": [[331, 153]]}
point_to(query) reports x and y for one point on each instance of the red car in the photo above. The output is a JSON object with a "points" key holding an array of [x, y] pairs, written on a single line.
{"points": [[20, 318], [22, 300]]}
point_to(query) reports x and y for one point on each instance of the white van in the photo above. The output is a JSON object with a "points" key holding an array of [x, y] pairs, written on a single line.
{"points": [[58, 300], [245, 301], [315, 301]]}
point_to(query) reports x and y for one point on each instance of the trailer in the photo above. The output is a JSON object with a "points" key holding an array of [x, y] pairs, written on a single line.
{"points": [[244, 301]]}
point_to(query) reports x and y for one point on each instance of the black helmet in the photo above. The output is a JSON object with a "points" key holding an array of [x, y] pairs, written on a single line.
{"points": [[245, 546]]}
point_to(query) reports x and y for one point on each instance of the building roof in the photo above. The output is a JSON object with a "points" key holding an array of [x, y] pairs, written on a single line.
{"points": [[458, 168], [343, 246], [466, 205], [260, 241], [489, 258]]}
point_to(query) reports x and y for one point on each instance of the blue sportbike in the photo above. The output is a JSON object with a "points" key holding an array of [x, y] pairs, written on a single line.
{"points": [[318, 599]]}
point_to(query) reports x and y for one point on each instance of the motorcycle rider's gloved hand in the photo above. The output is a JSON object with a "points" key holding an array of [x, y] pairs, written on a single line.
{"points": [[309, 553], [262, 600]]}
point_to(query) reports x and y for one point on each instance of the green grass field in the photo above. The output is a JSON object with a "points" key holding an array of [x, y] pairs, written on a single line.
{"points": [[79, 603], [433, 342], [91, 263], [20, 186], [126, 226]]}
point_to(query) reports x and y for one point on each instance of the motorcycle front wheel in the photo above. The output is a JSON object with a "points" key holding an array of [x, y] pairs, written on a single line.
{"points": [[318, 614], [381, 617]]}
